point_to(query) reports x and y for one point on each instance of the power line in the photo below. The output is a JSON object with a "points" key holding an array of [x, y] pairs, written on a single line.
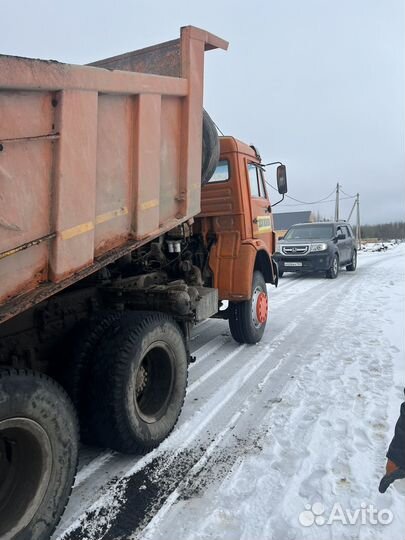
{"points": [[344, 193], [321, 202], [302, 202], [311, 202]]}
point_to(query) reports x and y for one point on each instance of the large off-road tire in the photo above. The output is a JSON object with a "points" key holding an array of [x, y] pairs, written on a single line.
{"points": [[38, 454], [139, 382], [210, 149], [80, 348], [353, 263], [333, 271], [247, 320]]}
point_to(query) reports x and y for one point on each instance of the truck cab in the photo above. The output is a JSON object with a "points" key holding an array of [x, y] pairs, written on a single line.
{"points": [[237, 224]]}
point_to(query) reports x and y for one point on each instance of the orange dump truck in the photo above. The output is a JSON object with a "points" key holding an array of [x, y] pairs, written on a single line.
{"points": [[124, 221]]}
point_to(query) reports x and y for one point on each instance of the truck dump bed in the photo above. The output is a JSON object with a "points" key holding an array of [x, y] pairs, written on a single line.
{"points": [[95, 161]]}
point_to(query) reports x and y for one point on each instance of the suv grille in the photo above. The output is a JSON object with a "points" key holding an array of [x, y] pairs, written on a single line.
{"points": [[295, 250]]}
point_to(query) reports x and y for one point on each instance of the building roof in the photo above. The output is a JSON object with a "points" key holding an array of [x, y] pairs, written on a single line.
{"points": [[285, 220]]}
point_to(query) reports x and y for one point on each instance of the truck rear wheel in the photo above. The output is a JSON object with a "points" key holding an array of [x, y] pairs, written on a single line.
{"points": [[79, 355], [247, 320], [139, 382], [38, 454]]}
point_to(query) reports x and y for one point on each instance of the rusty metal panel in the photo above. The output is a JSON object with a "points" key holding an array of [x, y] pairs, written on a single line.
{"points": [[162, 59], [115, 126], [74, 189], [25, 74], [146, 165], [25, 186], [192, 57], [95, 162], [170, 156], [25, 114], [23, 272]]}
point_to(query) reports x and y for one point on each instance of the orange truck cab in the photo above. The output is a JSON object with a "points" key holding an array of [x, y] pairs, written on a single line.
{"points": [[237, 224]]}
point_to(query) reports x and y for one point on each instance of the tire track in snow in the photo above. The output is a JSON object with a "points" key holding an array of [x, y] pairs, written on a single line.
{"points": [[106, 508], [300, 422], [203, 461], [330, 308], [148, 532]]}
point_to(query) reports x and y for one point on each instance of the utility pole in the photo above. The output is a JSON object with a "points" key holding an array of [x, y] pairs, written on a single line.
{"points": [[351, 211], [337, 202], [358, 231]]}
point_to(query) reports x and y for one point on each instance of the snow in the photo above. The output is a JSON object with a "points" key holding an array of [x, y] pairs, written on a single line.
{"points": [[297, 423]]}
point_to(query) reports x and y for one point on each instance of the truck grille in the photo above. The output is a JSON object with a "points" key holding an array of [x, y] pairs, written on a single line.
{"points": [[295, 250]]}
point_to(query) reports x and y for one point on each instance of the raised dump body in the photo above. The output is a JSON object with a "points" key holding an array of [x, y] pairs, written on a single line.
{"points": [[95, 162]]}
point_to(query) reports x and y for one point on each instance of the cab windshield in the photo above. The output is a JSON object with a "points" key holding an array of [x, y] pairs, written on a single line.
{"points": [[309, 232]]}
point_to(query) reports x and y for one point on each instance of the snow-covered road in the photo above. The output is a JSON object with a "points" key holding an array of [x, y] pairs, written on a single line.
{"points": [[303, 418]]}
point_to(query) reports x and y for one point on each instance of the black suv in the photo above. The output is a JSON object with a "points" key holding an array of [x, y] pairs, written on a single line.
{"points": [[317, 247]]}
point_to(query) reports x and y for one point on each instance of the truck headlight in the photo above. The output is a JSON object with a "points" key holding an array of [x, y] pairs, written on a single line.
{"points": [[319, 247]]}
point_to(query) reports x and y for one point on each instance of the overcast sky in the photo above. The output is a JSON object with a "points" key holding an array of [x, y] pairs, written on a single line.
{"points": [[318, 84]]}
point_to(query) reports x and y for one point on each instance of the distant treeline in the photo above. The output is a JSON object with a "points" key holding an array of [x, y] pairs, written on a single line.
{"points": [[384, 231]]}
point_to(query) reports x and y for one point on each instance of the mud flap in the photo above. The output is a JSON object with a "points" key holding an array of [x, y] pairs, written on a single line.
{"points": [[274, 267]]}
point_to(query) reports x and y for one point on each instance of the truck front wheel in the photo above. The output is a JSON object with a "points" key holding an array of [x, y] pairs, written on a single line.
{"points": [[247, 320], [38, 454], [139, 382]]}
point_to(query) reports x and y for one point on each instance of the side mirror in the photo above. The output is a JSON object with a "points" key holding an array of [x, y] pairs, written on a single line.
{"points": [[282, 179], [341, 236]]}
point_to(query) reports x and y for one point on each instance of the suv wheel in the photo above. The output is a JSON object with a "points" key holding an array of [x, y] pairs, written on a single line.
{"points": [[353, 264], [333, 271]]}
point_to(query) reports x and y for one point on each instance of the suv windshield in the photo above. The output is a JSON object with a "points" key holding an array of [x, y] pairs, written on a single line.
{"points": [[309, 232]]}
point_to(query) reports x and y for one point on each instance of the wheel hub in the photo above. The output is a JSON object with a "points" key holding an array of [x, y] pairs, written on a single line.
{"points": [[154, 382], [141, 380], [259, 307], [262, 308]]}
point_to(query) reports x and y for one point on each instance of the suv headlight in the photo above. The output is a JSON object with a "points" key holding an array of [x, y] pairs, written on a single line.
{"points": [[319, 247]]}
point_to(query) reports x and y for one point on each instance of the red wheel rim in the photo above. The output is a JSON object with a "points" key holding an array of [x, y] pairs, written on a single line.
{"points": [[262, 308]]}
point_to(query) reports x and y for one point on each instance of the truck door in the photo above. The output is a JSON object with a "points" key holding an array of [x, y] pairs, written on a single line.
{"points": [[262, 221]]}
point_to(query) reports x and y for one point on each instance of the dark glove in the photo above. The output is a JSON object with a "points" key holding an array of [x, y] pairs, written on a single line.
{"points": [[393, 472]]}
